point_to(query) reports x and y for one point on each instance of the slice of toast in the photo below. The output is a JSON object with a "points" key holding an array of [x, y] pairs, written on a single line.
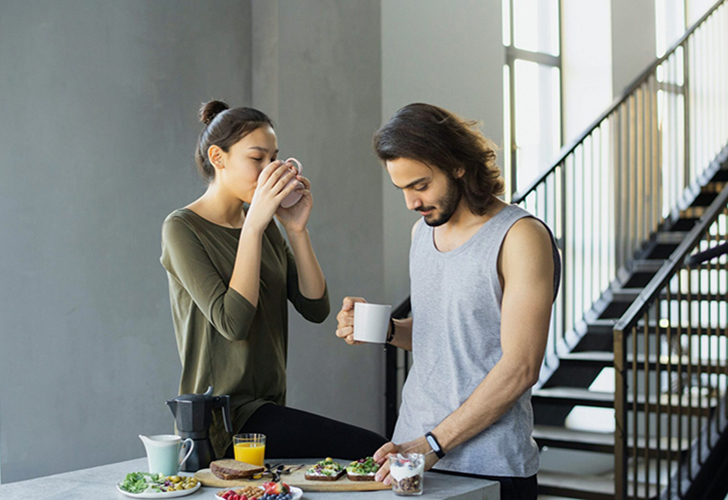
{"points": [[324, 477], [317, 471], [232, 469], [363, 469], [361, 477]]}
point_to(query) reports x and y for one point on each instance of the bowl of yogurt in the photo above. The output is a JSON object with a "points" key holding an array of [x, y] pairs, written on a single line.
{"points": [[408, 473]]}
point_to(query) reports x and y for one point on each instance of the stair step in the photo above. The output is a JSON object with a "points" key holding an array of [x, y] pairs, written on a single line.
{"points": [[600, 359], [663, 250], [605, 326], [575, 396], [561, 437], [704, 199], [604, 359], [615, 310], [588, 487], [626, 294], [720, 176], [686, 221], [601, 326], [647, 265], [602, 442], [670, 238]]}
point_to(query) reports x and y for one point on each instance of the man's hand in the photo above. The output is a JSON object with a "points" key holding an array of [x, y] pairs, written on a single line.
{"points": [[345, 318], [419, 445]]}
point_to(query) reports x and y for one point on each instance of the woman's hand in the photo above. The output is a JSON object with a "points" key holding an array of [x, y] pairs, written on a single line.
{"points": [[345, 319], [271, 189], [295, 218]]}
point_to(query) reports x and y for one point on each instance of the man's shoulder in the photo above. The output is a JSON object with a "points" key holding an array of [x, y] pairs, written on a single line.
{"points": [[528, 238], [414, 228]]}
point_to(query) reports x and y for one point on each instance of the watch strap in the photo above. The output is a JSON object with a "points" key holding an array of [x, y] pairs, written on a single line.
{"points": [[434, 444]]}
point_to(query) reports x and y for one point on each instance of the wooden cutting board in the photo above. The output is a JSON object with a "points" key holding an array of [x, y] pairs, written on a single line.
{"points": [[296, 478]]}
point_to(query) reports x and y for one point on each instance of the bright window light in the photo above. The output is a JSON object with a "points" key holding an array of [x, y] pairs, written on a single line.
{"points": [[536, 25]]}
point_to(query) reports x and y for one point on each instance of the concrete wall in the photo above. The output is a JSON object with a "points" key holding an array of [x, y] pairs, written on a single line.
{"points": [[447, 54], [634, 41], [317, 71], [98, 103], [99, 122]]}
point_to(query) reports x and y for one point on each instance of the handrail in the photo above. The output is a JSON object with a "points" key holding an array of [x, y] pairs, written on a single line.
{"points": [[569, 148], [707, 255], [676, 260], [630, 174], [674, 323]]}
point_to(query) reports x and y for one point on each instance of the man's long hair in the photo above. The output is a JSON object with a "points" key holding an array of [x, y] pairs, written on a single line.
{"points": [[441, 139]]}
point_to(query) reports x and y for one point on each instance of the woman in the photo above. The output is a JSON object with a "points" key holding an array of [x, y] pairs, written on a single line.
{"points": [[230, 275]]}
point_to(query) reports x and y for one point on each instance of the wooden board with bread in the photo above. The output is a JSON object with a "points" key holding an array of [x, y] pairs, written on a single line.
{"points": [[231, 475]]}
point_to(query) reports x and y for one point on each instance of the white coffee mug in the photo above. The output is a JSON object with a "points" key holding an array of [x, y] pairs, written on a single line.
{"points": [[371, 322], [294, 196]]}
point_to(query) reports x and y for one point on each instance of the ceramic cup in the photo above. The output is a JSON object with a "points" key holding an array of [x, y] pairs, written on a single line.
{"points": [[293, 198], [163, 452], [371, 322]]}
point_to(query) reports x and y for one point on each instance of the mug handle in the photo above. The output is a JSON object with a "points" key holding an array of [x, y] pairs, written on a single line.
{"points": [[297, 163], [189, 452]]}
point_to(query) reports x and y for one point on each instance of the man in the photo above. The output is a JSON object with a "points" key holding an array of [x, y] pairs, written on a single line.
{"points": [[483, 277]]}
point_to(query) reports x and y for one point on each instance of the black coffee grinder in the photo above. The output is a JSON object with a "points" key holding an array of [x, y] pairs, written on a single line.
{"points": [[193, 414]]}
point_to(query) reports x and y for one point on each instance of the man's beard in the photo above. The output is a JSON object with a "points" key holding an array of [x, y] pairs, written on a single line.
{"points": [[448, 203]]}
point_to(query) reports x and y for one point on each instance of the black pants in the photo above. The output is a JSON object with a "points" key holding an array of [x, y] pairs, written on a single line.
{"points": [[512, 488], [292, 433]]}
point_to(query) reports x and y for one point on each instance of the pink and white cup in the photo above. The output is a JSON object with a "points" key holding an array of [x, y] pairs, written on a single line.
{"points": [[294, 196]]}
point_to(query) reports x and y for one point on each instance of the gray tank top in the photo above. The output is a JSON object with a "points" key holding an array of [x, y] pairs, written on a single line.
{"points": [[456, 309]]}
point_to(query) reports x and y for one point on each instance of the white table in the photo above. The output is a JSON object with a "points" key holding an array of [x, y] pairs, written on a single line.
{"points": [[98, 483]]}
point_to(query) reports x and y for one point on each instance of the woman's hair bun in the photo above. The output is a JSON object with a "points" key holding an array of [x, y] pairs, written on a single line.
{"points": [[210, 110]]}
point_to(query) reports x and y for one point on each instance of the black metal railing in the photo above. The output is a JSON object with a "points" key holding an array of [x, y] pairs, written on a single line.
{"points": [[397, 365], [630, 173], [670, 352]]}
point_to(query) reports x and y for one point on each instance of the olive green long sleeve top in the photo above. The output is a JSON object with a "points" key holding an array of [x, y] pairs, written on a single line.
{"points": [[223, 340]]}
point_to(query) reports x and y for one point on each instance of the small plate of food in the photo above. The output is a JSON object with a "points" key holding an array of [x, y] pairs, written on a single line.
{"points": [[147, 485], [268, 491]]}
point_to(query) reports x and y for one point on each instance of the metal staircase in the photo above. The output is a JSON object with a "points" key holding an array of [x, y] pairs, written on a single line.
{"points": [[632, 201], [683, 408]]}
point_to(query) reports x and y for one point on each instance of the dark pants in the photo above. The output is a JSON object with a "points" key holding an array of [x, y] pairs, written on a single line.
{"points": [[292, 433], [512, 488]]}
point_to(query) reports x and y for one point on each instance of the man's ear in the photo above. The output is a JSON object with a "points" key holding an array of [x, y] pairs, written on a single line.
{"points": [[216, 157], [459, 172]]}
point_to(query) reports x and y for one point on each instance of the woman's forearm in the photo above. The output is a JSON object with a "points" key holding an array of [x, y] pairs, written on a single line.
{"points": [[246, 272], [311, 280]]}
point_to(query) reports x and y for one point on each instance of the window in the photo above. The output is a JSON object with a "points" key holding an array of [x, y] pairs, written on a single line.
{"points": [[532, 87]]}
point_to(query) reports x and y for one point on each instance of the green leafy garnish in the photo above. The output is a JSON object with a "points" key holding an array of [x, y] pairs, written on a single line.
{"points": [[139, 482]]}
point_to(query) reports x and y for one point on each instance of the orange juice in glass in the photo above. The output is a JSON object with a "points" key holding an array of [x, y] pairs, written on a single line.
{"points": [[249, 448]]}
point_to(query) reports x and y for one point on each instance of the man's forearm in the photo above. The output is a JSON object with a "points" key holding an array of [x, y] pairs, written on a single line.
{"points": [[402, 334], [493, 397]]}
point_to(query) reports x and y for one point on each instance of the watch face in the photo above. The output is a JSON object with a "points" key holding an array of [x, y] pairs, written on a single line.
{"points": [[433, 443]]}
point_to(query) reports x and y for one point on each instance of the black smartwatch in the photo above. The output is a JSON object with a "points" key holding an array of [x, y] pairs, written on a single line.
{"points": [[432, 441]]}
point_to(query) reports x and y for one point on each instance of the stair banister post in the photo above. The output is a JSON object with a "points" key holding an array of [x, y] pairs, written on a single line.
{"points": [[620, 416]]}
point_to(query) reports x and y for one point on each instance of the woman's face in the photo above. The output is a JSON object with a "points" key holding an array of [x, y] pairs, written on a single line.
{"points": [[245, 160]]}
